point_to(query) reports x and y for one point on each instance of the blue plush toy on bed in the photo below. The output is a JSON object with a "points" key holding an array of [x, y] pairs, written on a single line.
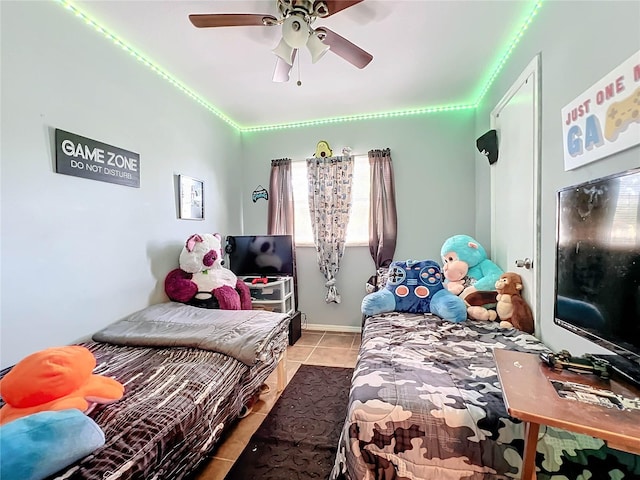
{"points": [[416, 287], [38, 445]]}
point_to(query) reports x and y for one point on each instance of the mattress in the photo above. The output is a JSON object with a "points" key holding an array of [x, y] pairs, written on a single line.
{"points": [[426, 403]]}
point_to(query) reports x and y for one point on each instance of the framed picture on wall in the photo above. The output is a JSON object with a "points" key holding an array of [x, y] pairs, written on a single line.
{"points": [[191, 193]]}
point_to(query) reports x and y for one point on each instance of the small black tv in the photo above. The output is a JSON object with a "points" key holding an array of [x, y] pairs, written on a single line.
{"points": [[597, 285], [261, 255]]}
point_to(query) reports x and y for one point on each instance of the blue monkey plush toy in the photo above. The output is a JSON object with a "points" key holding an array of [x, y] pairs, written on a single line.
{"points": [[464, 257], [415, 287]]}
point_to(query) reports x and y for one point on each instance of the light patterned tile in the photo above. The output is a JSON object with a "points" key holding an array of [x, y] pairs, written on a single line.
{"points": [[309, 338], [292, 368], [336, 340], [216, 469], [239, 436], [333, 357], [299, 353]]}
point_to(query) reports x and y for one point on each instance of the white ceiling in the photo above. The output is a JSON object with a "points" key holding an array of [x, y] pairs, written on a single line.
{"points": [[426, 53]]}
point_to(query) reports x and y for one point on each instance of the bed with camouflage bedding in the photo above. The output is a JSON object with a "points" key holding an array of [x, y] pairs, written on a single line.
{"points": [[425, 403]]}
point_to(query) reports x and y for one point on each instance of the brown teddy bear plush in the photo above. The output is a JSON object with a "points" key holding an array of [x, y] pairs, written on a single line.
{"points": [[481, 305], [512, 310]]}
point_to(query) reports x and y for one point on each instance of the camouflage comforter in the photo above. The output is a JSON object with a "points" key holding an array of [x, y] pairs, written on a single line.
{"points": [[425, 403]]}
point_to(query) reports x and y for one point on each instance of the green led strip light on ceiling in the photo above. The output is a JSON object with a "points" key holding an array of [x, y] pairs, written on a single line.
{"points": [[350, 118], [78, 13], [505, 56], [364, 116]]}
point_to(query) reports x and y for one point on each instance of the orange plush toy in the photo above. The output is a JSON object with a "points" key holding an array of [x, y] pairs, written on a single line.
{"points": [[55, 379]]}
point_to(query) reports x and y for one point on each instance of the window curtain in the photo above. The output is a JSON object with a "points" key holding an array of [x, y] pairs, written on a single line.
{"points": [[330, 180], [280, 214], [383, 218]]}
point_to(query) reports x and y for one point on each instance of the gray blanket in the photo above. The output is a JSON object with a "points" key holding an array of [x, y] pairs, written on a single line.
{"points": [[242, 334]]}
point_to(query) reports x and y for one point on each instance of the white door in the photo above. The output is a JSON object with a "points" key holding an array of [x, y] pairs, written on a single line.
{"points": [[514, 183]]}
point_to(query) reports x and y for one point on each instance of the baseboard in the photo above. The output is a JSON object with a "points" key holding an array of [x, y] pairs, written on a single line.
{"points": [[331, 328]]}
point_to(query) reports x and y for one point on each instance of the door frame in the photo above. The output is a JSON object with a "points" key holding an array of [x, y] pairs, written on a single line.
{"points": [[532, 69]]}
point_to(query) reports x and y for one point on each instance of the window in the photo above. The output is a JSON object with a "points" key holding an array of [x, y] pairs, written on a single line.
{"points": [[624, 231], [358, 229]]}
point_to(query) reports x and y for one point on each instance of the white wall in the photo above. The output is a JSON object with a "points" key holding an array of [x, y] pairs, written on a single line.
{"points": [[580, 42], [434, 167], [77, 254]]}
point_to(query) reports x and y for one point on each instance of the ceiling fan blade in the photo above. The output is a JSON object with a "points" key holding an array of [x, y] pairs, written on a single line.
{"points": [[281, 72], [344, 48], [334, 6], [231, 19]]}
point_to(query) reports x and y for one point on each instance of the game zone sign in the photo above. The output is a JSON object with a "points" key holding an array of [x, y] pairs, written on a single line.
{"points": [[83, 157]]}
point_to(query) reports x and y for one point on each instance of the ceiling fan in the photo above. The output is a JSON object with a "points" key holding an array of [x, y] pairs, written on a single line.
{"points": [[296, 17]]}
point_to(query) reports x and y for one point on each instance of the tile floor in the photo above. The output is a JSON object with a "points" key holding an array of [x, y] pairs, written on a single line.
{"points": [[333, 349]]}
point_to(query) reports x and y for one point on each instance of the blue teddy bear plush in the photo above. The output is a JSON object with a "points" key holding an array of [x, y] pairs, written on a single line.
{"points": [[415, 287]]}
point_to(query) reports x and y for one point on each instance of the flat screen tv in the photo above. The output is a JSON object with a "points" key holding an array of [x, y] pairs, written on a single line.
{"points": [[265, 255], [597, 294]]}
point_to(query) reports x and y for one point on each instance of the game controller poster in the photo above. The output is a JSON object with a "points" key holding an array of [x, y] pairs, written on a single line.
{"points": [[605, 119], [258, 193]]}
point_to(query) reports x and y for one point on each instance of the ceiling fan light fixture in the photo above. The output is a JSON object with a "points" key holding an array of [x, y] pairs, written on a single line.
{"points": [[316, 47], [284, 51], [282, 69], [295, 31]]}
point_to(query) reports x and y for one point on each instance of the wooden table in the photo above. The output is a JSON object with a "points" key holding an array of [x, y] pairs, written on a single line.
{"points": [[530, 396]]}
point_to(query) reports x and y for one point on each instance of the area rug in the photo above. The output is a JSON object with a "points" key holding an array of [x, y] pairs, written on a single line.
{"points": [[299, 437]]}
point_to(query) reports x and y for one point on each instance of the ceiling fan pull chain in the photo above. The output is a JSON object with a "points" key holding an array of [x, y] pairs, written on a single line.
{"points": [[299, 83]]}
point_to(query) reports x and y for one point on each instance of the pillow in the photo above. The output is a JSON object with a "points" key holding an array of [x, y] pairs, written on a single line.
{"points": [[38, 445], [415, 287]]}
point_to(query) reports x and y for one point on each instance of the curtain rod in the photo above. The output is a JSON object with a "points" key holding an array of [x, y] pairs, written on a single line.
{"points": [[352, 154]]}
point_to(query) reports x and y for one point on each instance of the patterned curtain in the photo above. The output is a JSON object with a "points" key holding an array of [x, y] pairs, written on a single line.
{"points": [[280, 216], [330, 180], [383, 219]]}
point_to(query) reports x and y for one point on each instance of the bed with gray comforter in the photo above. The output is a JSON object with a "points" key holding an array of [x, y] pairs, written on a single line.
{"points": [[187, 373], [426, 403]]}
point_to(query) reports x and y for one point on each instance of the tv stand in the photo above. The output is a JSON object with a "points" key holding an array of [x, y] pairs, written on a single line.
{"points": [[276, 294], [295, 327]]}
